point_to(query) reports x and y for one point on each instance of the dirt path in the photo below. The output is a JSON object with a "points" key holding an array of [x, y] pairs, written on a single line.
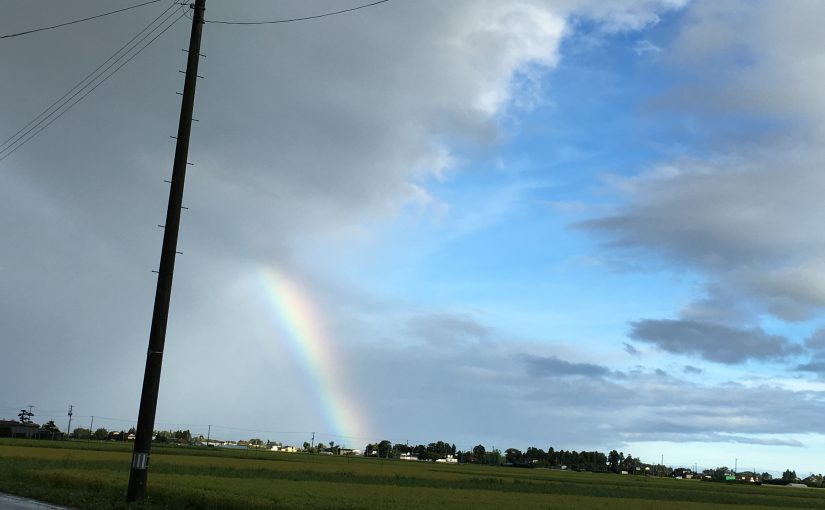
{"points": [[9, 502]]}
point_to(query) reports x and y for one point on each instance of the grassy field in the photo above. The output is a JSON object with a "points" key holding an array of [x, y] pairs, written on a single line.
{"points": [[90, 475]]}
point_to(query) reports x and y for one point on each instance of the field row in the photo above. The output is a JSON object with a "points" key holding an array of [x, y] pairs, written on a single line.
{"points": [[94, 476]]}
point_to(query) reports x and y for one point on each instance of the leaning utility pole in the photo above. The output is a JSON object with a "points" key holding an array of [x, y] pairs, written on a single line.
{"points": [[69, 428], [157, 335]]}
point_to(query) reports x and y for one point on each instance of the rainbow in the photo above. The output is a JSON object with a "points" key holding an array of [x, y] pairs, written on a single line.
{"points": [[316, 354]]}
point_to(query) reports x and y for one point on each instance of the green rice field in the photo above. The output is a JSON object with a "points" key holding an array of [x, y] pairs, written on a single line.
{"points": [[93, 475]]}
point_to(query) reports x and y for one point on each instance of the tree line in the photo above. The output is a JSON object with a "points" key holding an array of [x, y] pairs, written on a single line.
{"points": [[615, 461], [533, 457]]}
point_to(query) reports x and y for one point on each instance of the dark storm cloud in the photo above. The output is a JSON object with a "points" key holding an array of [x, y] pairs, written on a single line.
{"points": [[713, 342], [739, 221], [552, 366], [815, 346], [816, 366], [816, 342], [630, 349]]}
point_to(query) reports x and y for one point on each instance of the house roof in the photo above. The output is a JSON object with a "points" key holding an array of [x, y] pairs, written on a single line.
{"points": [[12, 423]]}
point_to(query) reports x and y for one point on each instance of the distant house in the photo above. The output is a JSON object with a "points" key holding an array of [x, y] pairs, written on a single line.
{"points": [[681, 473], [279, 448], [18, 429], [450, 459]]}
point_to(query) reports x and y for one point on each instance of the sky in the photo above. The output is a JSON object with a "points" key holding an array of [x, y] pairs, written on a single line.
{"points": [[591, 225]]}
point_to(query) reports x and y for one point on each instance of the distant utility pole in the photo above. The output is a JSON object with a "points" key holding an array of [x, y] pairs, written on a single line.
{"points": [[208, 433], [160, 315], [91, 427], [69, 428]]}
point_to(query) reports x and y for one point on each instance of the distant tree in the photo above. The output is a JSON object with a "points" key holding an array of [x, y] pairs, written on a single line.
{"points": [[184, 436], [402, 448], [81, 433], [101, 434], [613, 460], [162, 436], [306, 446], [766, 476], [255, 442], [513, 456], [51, 429], [551, 456], [25, 416], [789, 476], [384, 448], [430, 455], [628, 462], [479, 453], [440, 447]]}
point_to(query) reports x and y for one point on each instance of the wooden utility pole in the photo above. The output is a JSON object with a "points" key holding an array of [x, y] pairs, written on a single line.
{"points": [[160, 315], [69, 428]]}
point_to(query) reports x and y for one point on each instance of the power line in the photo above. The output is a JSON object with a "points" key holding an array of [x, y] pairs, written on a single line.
{"points": [[13, 138], [78, 20], [35, 127], [39, 127], [290, 20]]}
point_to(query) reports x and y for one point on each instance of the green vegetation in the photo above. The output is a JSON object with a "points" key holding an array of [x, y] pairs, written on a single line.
{"points": [[93, 475]]}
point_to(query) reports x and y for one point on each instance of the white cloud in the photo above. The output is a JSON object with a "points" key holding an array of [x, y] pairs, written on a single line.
{"points": [[644, 46], [748, 221], [625, 15]]}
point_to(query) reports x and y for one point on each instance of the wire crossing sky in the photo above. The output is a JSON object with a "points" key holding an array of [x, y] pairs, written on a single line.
{"points": [[91, 81], [292, 20], [77, 20], [586, 225]]}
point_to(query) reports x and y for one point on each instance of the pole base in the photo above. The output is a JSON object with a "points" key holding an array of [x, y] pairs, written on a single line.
{"points": [[137, 484]]}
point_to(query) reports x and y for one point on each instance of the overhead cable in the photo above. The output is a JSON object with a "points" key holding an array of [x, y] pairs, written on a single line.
{"points": [[78, 20], [290, 20], [88, 84], [82, 82]]}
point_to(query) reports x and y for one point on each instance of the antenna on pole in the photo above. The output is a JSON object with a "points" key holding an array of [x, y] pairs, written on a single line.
{"points": [[160, 314]]}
